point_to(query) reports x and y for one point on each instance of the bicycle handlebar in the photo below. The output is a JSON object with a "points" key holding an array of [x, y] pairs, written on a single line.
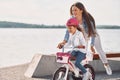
{"points": [[67, 48]]}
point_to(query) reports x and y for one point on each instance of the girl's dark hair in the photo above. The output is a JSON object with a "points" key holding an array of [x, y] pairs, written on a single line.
{"points": [[78, 28], [88, 18]]}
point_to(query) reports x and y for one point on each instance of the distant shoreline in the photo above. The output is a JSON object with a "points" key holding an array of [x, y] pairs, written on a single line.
{"points": [[6, 24]]}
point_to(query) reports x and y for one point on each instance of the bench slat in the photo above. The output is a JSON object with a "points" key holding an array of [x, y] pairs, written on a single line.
{"points": [[109, 55]]}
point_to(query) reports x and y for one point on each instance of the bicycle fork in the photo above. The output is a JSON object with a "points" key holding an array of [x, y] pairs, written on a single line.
{"points": [[67, 71]]}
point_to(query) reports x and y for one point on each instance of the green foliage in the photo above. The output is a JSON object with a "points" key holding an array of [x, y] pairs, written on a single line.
{"points": [[108, 27], [6, 24]]}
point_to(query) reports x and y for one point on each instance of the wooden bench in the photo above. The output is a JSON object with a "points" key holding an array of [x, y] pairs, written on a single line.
{"points": [[109, 55]]}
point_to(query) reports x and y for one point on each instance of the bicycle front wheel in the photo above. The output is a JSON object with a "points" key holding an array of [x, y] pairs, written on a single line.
{"points": [[60, 74]]}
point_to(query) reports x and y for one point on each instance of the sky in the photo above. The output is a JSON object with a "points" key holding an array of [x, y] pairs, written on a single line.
{"points": [[56, 12]]}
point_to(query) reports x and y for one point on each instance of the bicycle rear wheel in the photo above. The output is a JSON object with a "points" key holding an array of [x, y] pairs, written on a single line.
{"points": [[91, 70]]}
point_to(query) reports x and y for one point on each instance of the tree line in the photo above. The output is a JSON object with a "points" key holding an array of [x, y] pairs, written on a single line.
{"points": [[7, 24]]}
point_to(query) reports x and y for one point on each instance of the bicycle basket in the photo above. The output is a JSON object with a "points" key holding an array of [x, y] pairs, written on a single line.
{"points": [[62, 57]]}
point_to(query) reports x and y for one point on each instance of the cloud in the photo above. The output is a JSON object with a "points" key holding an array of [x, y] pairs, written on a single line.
{"points": [[57, 11]]}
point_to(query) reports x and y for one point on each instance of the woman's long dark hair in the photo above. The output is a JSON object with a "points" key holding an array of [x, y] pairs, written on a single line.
{"points": [[88, 18]]}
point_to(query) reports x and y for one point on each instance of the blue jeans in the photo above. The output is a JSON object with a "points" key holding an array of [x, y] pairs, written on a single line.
{"points": [[79, 57]]}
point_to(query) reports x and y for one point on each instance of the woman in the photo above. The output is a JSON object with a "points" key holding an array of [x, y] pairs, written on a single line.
{"points": [[88, 28]]}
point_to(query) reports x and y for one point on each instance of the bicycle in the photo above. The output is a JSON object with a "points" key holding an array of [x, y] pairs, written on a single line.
{"points": [[68, 68]]}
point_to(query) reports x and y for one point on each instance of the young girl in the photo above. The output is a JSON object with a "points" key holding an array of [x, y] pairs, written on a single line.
{"points": [[77, 41], [87, 25]]}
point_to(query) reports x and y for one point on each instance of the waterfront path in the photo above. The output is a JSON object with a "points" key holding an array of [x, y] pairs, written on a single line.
{"points": [[17, 73]]}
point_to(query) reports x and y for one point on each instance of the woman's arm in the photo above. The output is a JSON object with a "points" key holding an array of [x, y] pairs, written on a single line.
{"points": [[93, 37], [66, 37], [92, 44], [92, 40]]}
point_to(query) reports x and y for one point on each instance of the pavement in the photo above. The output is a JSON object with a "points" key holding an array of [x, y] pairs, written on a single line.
{"points": [[17, 73]]}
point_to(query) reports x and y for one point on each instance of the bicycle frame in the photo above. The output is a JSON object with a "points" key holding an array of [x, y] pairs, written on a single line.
{"points": [[69, 64], [64, 58]]}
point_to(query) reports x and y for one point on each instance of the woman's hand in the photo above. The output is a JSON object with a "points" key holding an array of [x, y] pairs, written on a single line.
{"points": [[81, 46], [92, 49]]}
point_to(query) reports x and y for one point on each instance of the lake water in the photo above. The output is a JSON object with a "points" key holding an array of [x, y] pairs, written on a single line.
{"points": [[18, 46]]}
